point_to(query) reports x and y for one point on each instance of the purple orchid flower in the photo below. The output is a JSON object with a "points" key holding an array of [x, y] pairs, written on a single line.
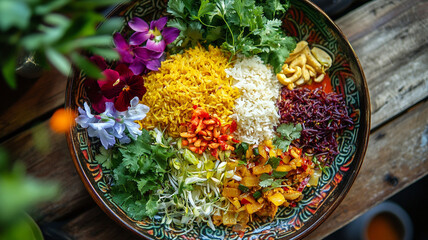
{"points": [[139, 59], [125, 50], [157, 36]]}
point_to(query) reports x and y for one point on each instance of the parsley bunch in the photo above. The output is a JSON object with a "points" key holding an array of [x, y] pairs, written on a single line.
{"points": [[248, 27], [138, 169]]}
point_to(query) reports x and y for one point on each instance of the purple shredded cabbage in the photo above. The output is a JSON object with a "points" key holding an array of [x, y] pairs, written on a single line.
{"points": [[323, 117]]}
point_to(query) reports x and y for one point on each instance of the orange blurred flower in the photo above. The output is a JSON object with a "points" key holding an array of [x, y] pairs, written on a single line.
{"points": [[62, 120]]}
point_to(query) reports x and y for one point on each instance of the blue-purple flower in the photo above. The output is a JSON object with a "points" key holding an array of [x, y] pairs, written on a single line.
{"points": [[157, 36], [112, 124]]}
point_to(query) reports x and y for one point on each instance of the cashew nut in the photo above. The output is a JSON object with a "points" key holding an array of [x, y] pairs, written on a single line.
{"points": [[299, 61], [319, 78], [284, 80], [322, 56]]}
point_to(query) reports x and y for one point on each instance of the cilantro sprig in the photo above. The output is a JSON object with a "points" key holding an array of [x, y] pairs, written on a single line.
{"points": [[138, 169], [248, 27], [288, 133]]}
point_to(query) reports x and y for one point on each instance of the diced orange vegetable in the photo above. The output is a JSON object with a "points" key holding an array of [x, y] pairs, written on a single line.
{"points": [[295, 152], [260, 169], [216, 132], [247, 197], [209, 122], [213, 145], [284, 168], [229, 218], [291, 194], [262, 151], [249, 152], [286, 159], [250, 181], [197, 143], [187, 135], [231, 192], [236, 203], [272, 152], [269, 144], [254, 207], [184, 142], [277, 199], [232, 165]]}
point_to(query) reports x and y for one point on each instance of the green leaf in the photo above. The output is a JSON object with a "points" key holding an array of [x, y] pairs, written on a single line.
{"points": [[8, 71], [50, 6], [274, 162], [206, 8], [87, 5], [105, 158], [14, 14], [152, 206], [277, 174], [110, 26], [92, 41], [87, 66], [58, 60], [177, 8], [277, 183], [266, 183], [107, 53], [265, 176], [288, 133]]}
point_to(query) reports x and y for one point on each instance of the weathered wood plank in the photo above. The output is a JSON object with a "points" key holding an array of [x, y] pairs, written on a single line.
{"points": [[46, 157], [45, 94], [390, 39]]}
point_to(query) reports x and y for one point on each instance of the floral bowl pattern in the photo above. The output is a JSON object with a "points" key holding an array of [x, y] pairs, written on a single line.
{"points": [[307, 22]]}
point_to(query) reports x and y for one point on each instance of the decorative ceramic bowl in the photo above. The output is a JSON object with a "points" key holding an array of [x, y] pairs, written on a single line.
{"points": [[307, 22]]}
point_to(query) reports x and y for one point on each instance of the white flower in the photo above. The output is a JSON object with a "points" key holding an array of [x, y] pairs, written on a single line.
{"points": [[112, 124]]}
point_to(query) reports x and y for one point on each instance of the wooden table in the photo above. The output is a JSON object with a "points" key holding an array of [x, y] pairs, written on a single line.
{"points": [[390, 38]]}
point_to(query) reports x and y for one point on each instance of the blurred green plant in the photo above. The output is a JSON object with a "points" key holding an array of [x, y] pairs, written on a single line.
{"points": [[18, 194], [55, 32]]}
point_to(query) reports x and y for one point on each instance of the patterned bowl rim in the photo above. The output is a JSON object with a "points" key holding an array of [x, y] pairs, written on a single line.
{"points": [[360, 153]]}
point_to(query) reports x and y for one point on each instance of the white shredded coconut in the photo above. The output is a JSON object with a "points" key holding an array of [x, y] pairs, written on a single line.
{"points": [[255, 110]]}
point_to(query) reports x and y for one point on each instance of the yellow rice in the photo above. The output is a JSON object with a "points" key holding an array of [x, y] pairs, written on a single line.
{"points": [[196, 77]]}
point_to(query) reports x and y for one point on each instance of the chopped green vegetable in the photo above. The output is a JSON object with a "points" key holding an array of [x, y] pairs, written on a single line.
{"points": [[243, 188], [257, 195], [288, 133], [256, 151]]}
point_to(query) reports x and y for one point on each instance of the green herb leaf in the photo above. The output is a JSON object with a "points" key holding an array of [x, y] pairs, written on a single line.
{"points": [[288, 133], [266, 183], [265, 176], [273, 161], [277, 174]]}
